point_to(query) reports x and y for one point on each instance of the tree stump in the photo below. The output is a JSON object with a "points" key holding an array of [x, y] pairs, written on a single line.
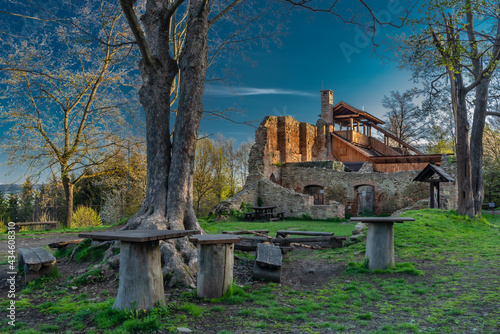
{"points": [[215, 264], [141, 280]]}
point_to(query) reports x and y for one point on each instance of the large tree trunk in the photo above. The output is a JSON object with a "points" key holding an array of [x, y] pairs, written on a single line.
{"points": [[168, 201], [68, 194], [476, 144], [459, 105]]}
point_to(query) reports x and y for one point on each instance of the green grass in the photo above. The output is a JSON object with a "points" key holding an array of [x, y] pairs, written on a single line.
{"points": [[446, 280], [339, 228]]}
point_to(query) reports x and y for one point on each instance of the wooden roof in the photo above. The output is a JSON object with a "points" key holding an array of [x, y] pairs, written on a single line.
{"points": [[398, 159], [343, 111], [433, 173]]}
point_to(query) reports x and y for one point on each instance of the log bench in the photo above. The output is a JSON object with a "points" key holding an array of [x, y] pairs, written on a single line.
{"points": [[380, 240], [215, 263], [274, 216], [285, 234], [48, 225], [267, 265], [247, 232], [36, 262], [140, 284]]}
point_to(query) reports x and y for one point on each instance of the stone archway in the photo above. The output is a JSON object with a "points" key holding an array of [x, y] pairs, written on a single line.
{"points": [[317, 192], [365, 199]]}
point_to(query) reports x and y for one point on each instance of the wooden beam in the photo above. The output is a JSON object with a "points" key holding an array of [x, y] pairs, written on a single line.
{"points": [[388, 134]]}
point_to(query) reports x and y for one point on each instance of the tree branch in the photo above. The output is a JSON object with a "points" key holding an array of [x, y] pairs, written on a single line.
{"points": [[223, 12], [128, 10]]}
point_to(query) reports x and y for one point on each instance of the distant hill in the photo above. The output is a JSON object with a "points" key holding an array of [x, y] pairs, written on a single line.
{"points": [[14, 188]]}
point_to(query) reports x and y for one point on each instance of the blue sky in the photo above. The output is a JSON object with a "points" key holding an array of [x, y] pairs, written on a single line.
{"points": [[317, 53], [287, 80]]}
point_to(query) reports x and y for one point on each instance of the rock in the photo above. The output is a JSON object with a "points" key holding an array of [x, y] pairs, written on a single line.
{"points": [[184, 330], [357, 237], [359, 228]]}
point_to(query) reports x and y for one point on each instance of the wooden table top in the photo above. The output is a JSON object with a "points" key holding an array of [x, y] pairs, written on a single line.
{"points": [[382, 219], [210, 239], [264, 207], [138, 235]]}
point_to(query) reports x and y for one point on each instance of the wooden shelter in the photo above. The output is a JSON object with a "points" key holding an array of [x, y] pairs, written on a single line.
{"points": [[434, 175], [352, 141]]}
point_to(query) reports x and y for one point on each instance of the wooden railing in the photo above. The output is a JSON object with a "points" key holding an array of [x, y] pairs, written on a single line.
{"points": [[354, 137], [382, 148]]}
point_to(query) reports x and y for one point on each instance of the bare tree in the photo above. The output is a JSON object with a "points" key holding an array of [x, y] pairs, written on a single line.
{"points": [[69, 91], [404, 117], [460, 41]]}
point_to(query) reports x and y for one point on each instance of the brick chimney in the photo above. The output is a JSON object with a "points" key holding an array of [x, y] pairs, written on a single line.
{"points": [[327, 106]]}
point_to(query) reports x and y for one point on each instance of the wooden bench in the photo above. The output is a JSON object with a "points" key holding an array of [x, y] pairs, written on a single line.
{"points": [[285, 234], [254, 232], [140, 286], [36, 262], [250, 216], [274, 216], [215, 263], [48, 225], [267, 265]]}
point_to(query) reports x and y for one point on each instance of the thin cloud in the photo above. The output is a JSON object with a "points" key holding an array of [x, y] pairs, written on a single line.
{"points": [[222, 91]]}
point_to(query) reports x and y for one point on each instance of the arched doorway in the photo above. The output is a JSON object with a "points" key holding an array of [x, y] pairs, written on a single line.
{"points": [[317, 192], [366, 200], [272, 178]]}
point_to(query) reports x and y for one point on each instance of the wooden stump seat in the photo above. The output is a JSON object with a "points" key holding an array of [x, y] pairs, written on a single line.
{"points": [[36, 262], [215, 263]]}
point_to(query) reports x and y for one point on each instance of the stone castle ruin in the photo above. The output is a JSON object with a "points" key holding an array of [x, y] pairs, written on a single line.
{"points": [[338, 166]]}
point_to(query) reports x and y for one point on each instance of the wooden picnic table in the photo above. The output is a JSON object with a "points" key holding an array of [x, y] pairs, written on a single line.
{"points": [[261, 212], [141, 281], [380, 240]]}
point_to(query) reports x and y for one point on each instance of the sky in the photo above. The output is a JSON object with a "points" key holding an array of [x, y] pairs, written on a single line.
{"points": [[317, 53]]}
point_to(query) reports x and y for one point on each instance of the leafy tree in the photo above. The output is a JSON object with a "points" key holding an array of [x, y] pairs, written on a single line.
{"points": [[459, 41], [27, 199], [491, 166], [69, 90], [218, 171]]}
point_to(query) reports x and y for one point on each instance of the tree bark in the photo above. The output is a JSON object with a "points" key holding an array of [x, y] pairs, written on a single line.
{"points": [[476, 143], [68, 194], [168, 201], [464, 180]]}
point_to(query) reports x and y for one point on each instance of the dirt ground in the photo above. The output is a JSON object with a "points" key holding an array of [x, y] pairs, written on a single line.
{"points": [[302, 275]]}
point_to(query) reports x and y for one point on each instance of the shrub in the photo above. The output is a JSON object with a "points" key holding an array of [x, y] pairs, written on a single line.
{"points": [[85, 217]]}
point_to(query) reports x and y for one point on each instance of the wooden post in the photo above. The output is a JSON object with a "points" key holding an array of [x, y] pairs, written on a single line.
{"points": [[141, 280], [215, 270], [215, 263]]}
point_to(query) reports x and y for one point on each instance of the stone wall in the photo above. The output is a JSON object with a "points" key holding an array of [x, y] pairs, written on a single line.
{"points": [[292, 154], [392, 191], [293, 204]]}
